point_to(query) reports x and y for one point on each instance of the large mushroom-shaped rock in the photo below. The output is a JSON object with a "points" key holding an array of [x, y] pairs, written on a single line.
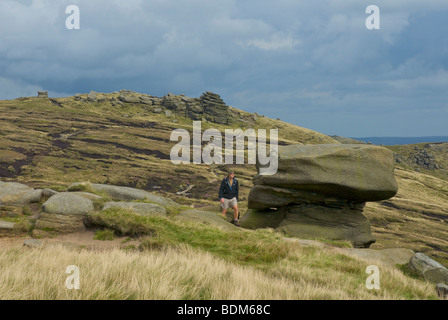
{"points": [[63, 213], [320, 191]]}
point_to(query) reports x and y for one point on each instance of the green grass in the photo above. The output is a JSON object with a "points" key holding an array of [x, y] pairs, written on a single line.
{"points": [[105, 234]]}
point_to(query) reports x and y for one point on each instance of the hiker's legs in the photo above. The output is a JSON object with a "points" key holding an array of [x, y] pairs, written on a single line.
{"points": [[224, 212], [235, 212]]}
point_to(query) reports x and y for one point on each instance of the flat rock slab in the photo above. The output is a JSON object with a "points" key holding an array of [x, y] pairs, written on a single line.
{"points": [[140, 208], [355, 172]]}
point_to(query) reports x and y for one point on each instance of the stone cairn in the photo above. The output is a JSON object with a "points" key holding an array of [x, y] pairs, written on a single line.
{"points": [[319, 191]]}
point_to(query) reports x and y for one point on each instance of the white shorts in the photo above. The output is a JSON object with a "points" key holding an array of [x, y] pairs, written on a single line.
{"points": [[228, 203]]}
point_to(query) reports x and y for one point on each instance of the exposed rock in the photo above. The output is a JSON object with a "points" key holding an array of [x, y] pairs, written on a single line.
{"points": [[68, 203], [91, 97], [47, 193], [315, 221], [355, 172], [127, 194], [215, 109], [129, 99], [255, 219], [6, 228], [33, 243], [17, 194], [140, 208], [63, 213], [442, 290], [320, 191], [430, 269], [11, 211]]}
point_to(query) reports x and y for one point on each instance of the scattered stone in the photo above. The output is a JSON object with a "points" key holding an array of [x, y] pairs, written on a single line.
{"points": [[442, 290], [17, 194], [47, 193], [33, 243], [140, 208], [91, 97], [129, 99], [6, 228], [430, 269]]}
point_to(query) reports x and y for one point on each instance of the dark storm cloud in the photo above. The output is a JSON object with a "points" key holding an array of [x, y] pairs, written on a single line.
{"points": [[311, 64]]}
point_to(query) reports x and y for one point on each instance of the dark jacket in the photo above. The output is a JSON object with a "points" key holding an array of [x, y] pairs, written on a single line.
{"points": [[227, 192]]}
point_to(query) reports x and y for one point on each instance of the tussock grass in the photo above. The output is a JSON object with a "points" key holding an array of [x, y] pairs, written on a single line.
{"points": [[186, 273]]}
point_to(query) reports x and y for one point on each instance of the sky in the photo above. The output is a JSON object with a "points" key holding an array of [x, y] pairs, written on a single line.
{"points": [[309, 63]]}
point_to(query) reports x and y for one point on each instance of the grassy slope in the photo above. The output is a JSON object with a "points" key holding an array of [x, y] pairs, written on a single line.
{"points": [[106, 147]]}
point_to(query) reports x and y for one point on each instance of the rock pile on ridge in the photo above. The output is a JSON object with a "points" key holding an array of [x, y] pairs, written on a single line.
{"points": [[319, 191]]}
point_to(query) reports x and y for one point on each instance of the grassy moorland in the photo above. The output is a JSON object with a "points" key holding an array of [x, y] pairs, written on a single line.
{"points": [[52, 143]]}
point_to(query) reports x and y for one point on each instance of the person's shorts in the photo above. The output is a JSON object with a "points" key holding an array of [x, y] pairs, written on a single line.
{"points": [[228, 203]]}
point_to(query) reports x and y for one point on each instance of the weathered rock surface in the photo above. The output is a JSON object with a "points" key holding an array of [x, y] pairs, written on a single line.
{"points": [[320, 191], [314, 221], [63, 213], [355, 172], [430, 269], [67, 203], [127, 194], [141, 208], [17, 194], [442, 290], [6, 228]]}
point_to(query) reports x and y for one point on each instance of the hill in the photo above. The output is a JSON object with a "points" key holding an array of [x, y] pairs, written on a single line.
{"points": [[123, 138]]}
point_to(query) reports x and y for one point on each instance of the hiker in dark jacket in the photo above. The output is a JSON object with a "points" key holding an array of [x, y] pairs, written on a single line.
{"points": [[228, 195]]}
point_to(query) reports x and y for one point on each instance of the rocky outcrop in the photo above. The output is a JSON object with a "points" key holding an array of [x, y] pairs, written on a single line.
{"points": [[215, 110], [319, 191], [63, 213], [17, 194]]}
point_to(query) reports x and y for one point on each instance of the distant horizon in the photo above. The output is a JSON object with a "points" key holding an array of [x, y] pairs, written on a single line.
{"points": [[402, 140]]}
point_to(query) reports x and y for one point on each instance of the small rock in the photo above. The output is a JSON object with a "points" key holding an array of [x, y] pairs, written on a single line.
{"points": [[430, 269], [442, 290], [33, 243]]}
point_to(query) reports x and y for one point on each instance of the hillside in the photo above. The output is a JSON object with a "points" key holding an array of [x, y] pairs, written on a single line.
{"points": [[122, 139], [54, 142]]}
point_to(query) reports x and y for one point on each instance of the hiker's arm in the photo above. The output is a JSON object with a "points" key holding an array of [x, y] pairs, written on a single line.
{"points": [[221, 190]]}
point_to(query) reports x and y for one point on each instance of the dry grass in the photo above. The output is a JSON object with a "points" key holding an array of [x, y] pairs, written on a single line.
{"points": [[185, 273]]}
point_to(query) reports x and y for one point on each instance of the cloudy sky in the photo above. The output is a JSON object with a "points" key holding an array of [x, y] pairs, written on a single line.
{"points": [[310, 63]]}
